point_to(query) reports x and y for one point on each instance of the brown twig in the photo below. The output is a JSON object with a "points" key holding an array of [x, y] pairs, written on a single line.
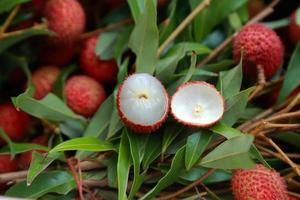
{"points": [[183, 24], [76, 177], [109, 27], [188, 187], [9, 19]]}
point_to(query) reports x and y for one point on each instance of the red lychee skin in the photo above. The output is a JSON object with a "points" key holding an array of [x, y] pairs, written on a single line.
{"points": [[139, 128], [84, 95], [101, 70], [58, 55], [7, 165], [15, 123], [294, 29], [261, 46], [43, 80], [293, 198], [258, 183], [191, 125], [25, 158], [66, 18]]}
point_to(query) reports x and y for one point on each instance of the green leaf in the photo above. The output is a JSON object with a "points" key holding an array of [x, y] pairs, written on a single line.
{"points": [[235, 106], [255, 152], [136, 7], [24, 34], [123, 71], [213, 15], [144, 39], [121, 44], [231, 154], [84, 144], [6, 5], [298, 16], [171, 131], [123, 166], [60, 182], [39, 163], [60, 81], [289, 137], [177, 166], [219, 66], [235, 21], [291, 79], [152, 149], [5, 137], [105, 45], [17, 148], [230, 81], [115, 123], [50, 108], [195, 145], [225, 130]]}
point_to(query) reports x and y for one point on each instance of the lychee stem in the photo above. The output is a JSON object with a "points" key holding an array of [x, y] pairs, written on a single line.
{"points": [[261, 80]]}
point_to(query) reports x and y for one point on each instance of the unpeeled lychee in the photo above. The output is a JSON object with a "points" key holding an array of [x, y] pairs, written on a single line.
{"points": [[294, 29], [43, 79], [258, 183], [7, 164], [66, 18], [15, 123], [84, 95], [93, 66], [25, 158], [142, 103], [261, 47]]}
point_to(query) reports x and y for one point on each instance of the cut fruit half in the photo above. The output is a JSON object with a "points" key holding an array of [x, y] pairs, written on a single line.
{"points": [[197, 104], [142, 102]]}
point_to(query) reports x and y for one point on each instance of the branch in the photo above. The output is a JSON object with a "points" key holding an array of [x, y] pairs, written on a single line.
{"points": [[9, 19]]}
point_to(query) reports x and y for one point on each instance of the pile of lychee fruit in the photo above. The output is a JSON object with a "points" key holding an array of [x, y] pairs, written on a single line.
{"points": [[142, 101]]}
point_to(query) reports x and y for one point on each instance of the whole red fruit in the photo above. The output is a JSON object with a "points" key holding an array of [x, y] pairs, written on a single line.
{"points": [[57, 55], [7, 164], [15, 123], [43, 79], [260, 46], [294, 29], [84, 95], [258, 183], [66, 18], [93, 66], [25, 158]]}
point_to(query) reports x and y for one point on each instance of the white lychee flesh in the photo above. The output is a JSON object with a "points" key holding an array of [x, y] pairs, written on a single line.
{"points": [[197, 104], [143, 100]]}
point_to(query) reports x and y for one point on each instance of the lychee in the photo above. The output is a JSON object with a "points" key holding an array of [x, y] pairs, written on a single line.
{"points": [[142, 102], [66, 18], [258, 183], [43, 79], [197, 104], [15, 123], [58, 55], [293, 198], [84, 95], [294, 29], [25, 158], [261, 47], [93, 66], [7, 164]]}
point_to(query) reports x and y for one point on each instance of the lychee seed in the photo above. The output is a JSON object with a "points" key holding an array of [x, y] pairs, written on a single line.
{"points": [[142, 103], [197, 104]]}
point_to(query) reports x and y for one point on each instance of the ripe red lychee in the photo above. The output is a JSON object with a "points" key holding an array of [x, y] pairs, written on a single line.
{"points": [[294, 29], [142, 103], [58, 55], [261, 47], [7, 164], [15, 123], [93, 66], [293, 198], [84, 95], [25, 158], [258, 183], [43, 79], [197, 104], [66, 18]]}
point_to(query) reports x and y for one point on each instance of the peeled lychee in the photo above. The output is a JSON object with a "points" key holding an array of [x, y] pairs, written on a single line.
{"points": [[142, 103], [294, 29], [258, 183], [66, 18], [84, 95], [261, 47], [15, 123], [57, 55], [25, 158], [197, 104], [93, 66], [43, 79]]}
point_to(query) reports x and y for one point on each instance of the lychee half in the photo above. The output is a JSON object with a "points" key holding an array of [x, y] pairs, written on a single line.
{"points": [[15, 123], [261, 47], [258, 183], [294, 29], [93, 66], [197, 104], [142, 103], [84, 95], [43, 79]]}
